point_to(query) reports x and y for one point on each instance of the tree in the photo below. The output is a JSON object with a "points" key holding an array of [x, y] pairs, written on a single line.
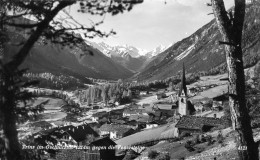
{"points": [[46, 28], [230, 25], [104, 94]]}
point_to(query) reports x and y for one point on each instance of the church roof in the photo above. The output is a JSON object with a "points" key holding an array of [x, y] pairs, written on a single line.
{"points": [[183, 83]]}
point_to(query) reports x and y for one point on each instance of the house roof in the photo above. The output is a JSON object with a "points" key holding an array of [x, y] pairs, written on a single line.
{"points": [[146, 135], [167, 106], [118, 121], [41, 124], [154, 122], [139, 118], [193, 122], [222, 97], [100, 114], [120, 129], [104, 141], [116, 112], [134, 111], [80, 132], [168, 112]]}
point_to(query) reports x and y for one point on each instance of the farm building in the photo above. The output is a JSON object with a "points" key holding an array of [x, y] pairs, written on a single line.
{"points": [[163, 132], [40, 124], [130, 112], [101, 148], [160, 96], [218, 101], [115, 131], [195, 125], [68, 134], [152, 125], [99, 115]]}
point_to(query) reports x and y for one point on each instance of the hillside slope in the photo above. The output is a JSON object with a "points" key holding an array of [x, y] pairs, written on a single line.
{"points": [[201, 51], [68, 61]]}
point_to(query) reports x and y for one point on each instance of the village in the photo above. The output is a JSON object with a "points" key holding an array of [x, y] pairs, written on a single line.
{"points": [[129, 80], [155, 117]]}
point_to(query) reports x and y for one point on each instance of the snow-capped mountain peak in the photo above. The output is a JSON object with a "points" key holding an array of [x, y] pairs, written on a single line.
{"points": [[156, 51], [127, 50]]}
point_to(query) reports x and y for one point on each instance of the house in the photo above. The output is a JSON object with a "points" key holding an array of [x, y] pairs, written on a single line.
{"points": [[117, 121], [99, 115], [143, 93], [40, 124], [113, 102], [151, 125], [74, 135], [108, 152], [139, 118], [161, 115], [96, 107], [250, 1], [160, 96], [192, 91], [135, 92], [198, 106], [174, 97], [219, 100], [99, 149], [166, 106], [115, 131], [197, 125], [130, 111], [117, 113]]}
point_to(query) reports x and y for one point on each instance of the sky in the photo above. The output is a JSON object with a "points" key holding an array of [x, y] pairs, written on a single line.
{"points": [[153, 22]]}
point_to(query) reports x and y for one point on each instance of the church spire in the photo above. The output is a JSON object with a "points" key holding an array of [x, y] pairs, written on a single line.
{"points": [[183, 82]]}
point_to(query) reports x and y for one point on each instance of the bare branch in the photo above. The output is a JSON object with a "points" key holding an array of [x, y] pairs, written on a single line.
{"points": [[21, 55], [226, 43], [22, 25], [222, 17]]}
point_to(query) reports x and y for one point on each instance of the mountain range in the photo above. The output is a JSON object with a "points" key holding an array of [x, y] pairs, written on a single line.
{"points": [[132, 58], [200, 52], [67, 61]]}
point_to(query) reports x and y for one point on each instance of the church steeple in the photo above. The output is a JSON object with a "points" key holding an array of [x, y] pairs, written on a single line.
{"points": [[183, 87]]}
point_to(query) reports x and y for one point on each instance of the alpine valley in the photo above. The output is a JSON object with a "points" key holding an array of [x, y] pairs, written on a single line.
{"points": [[200, 52]]}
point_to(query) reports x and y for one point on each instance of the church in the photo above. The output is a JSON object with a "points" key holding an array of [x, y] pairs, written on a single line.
{"points": [[185, 107]]}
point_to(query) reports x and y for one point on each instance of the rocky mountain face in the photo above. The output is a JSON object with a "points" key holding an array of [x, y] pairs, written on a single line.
{"points": [[132, 58], [201, 51], [68, 61]]}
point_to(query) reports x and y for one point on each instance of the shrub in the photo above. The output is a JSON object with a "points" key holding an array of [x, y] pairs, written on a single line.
{"points": [[209, 140], [163, 156], [199, 149], [220, 138], [203, 139], [152, 154], [185, 134], [189, 146], [197, 139], [130, 154]]}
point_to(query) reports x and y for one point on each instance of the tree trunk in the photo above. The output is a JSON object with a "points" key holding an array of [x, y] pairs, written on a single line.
{"points": [[231, 28], [12, 145], [8, 103]]}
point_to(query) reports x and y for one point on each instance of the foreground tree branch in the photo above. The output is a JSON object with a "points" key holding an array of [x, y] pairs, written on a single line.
{"points": [[10, 75], [230, 26], [21, 55]]}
